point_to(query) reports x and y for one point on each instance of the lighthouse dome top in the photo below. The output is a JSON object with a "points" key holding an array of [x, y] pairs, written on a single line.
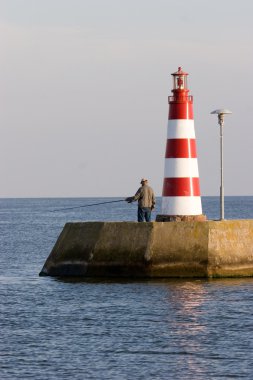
{"points": [[180, 72]]}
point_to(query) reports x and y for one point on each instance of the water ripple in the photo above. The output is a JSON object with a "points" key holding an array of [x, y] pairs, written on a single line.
{"points": [[113, 329]]}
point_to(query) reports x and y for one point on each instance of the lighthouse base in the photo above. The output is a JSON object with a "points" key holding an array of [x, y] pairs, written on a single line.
{"points": [[150, 250], [181, 218]]}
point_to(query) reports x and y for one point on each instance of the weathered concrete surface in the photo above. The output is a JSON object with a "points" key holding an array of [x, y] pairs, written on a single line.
{"points": [[230, 248], [156, 249], [180, 218]]}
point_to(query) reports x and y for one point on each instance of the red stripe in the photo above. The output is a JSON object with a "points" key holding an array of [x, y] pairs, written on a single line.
{"points": [[181, 148], [173, 187], [180, 111]]}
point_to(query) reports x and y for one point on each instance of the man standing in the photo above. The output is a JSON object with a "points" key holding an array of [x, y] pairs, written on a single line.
{"points": [[146, 201]]}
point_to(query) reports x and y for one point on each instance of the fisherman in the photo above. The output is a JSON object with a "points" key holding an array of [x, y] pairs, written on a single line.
{"points": [[146, 201]]}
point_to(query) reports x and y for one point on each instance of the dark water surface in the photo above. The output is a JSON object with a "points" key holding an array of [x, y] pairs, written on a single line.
{"points": [[103, 329]]}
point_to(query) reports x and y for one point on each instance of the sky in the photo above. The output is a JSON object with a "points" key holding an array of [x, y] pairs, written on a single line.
{"points": [[84, 88]]}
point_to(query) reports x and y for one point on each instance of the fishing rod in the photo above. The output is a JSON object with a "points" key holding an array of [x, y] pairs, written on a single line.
{"points": [[89, 205]]}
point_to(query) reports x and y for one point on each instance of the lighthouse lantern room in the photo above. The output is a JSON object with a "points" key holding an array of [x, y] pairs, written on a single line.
{"points": [[179, 80]]}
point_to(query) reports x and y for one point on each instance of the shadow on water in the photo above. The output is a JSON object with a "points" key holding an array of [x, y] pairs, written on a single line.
{"points": [[156, 281]]}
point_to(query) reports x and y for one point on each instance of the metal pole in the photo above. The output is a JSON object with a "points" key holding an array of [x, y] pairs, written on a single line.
{"points": [[221, 113], [221, 122]]}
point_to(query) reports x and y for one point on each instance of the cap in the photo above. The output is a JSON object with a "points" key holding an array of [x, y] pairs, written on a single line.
{"points": [[144, 180]]}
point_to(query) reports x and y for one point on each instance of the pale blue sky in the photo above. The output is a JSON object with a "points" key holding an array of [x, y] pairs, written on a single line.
{"points": [[84, 86]]}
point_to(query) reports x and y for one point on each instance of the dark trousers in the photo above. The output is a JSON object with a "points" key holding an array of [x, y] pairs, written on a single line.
{"points": [[144, 213]]}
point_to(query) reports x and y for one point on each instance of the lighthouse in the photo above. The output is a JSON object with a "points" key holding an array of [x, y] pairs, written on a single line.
{"points": [[181, 200]]}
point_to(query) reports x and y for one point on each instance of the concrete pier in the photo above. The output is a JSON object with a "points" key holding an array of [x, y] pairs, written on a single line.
{"points": [[156, 249]]}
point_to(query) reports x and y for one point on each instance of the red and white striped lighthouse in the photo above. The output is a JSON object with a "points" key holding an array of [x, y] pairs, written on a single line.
{"points": [[181, 191]]}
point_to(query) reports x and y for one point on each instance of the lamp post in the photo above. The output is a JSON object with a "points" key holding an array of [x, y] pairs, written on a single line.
{"points": [[221, 113]]}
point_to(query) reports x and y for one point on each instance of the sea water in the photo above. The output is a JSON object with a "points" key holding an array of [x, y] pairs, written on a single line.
{"points": [[114, 329]]}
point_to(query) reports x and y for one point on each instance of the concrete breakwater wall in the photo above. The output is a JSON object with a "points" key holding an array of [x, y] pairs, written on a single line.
{"points": [[156, 249]]}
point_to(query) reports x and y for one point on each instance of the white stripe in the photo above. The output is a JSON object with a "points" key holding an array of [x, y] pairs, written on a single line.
{"points": [[181, 206], [181, 167], [181, 129]]}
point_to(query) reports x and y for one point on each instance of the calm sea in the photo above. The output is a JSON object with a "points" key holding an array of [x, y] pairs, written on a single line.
{"points": [[102, 329]]}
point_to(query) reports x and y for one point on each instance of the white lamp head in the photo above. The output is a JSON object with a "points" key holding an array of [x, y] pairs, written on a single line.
{"points": [[221, 112]]}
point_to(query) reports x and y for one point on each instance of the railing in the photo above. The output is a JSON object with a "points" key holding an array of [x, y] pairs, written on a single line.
{"points": [[180, 98]]}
